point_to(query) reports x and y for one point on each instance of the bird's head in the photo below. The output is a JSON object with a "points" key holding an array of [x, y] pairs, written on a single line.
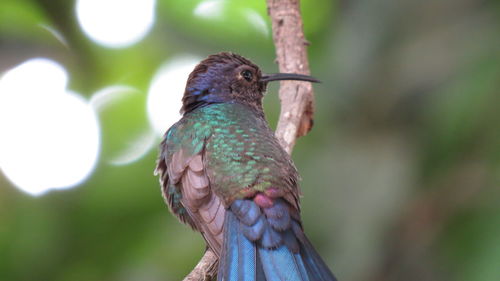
{"points": [[228, 77]]}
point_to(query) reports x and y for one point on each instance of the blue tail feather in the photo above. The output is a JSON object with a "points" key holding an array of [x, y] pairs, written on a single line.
{"points": [[246, 259], [243, 259], [239, 253], [281, 264], [260, 274], [314, 263], [302, 267]]}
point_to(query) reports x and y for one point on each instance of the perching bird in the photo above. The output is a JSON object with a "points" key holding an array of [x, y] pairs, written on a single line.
{"points": [[223, 172]]}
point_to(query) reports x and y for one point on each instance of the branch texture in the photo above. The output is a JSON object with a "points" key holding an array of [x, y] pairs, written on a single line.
{"points": [[297, 100], [206, 269]]}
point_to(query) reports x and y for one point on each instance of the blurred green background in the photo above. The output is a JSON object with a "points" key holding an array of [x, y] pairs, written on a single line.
{"points": [[401, 172]]}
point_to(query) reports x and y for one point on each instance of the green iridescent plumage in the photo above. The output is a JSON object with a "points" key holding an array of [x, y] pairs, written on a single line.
{"points": [[242, 155]]}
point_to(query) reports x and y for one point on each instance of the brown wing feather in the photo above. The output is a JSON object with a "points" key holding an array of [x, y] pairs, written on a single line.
{"points": [[204, 210], [169, 187]]}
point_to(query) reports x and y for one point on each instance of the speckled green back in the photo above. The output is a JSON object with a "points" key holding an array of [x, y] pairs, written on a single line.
{"points": [[240, 153]]}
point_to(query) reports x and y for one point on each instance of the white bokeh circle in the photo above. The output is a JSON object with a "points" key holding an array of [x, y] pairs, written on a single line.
{"points": [[116, 23], [166, 90], [50, 136]]}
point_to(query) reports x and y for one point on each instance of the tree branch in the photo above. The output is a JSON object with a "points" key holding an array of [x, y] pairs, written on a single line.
{"points": [[206, 269], [297, 99]]}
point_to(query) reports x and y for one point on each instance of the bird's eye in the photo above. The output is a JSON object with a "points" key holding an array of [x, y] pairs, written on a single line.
{"points": [[247, 74]]}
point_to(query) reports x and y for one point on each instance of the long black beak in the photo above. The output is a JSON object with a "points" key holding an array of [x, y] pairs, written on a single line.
{"points": [[287, 76]]}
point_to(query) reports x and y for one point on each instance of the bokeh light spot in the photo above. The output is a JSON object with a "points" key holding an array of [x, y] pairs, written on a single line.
{"points": [[257, 21], [136, 149], [166, 90], [50, 137], [210, 9], [110, 96], [116, 23], [137, 144]]}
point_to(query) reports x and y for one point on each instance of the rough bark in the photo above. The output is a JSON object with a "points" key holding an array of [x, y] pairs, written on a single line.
{"points": [[206, 269], [297, 99]]}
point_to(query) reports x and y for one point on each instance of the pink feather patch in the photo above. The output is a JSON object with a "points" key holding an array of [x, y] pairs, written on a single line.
{"points": [[263, 201]]}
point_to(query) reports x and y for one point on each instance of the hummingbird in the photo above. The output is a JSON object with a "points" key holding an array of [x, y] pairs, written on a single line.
{"points": [[223, 172]]}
